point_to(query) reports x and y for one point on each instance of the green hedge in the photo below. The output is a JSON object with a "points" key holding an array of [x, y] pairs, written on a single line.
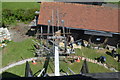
{"points": [[23, 15]]}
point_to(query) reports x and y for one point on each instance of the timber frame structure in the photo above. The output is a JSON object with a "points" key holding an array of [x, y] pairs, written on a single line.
{"points": [[87, 22]]}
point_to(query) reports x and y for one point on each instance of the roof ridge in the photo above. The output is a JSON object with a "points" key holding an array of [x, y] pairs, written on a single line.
{"points": [[95, 6]]}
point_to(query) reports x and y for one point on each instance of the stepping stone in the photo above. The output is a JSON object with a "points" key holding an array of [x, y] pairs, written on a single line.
{"points": [[83, 58], [95, 61], [112, 69]]}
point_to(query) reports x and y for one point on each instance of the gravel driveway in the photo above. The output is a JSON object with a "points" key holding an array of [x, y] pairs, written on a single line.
{"points": [[18, 32]]}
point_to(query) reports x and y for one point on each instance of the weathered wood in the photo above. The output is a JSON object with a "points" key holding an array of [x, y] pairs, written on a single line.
{"points": [[49, 33]]}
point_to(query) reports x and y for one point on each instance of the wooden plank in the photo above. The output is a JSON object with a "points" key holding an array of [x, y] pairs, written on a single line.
{"points": [[49, 34]]}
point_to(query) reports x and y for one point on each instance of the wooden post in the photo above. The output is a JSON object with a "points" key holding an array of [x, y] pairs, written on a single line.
{"points": [[48, 31], [65, 43]]}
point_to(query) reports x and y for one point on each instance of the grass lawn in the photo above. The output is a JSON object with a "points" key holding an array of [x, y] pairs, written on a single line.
{"points": [[20, 5], [0, 13], [118, 3], [118, 51], [76, 67], [15, 51], [92, 54]]}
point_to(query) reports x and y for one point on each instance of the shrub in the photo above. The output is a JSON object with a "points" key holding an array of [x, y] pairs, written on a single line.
{"points": [[7, 13], [29, 14], [19, 13], [10, 16], [7, 17]]}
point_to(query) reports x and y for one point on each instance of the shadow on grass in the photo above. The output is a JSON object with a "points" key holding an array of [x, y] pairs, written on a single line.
{"points": [[46, 65], [108, 53], [9, 75]]}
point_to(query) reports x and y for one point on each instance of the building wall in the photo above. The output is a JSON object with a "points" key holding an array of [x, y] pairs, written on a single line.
{"points": [[79, 34]]}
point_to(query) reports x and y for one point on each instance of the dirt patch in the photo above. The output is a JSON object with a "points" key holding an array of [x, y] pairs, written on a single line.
{"points": [[18, 32]]}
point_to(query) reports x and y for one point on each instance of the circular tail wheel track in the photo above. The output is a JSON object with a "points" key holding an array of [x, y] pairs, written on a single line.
{"points": [[100, 44]]}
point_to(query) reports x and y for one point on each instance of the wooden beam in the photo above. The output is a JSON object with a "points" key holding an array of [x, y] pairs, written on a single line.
{"points": [[50, 33]]}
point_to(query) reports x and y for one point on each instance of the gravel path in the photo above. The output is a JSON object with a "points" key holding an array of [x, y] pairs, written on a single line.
{"points": [[17, 63], [18, 32], [95, 62], [30, 59], [99, 63]]}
